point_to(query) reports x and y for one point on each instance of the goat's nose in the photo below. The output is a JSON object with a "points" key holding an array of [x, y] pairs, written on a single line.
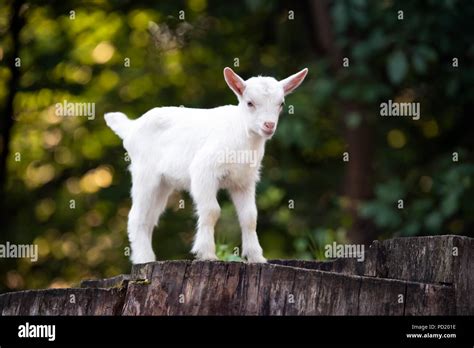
{"points": [[269, 125]]}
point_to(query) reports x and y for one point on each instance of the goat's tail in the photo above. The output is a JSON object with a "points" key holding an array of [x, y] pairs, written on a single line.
{"points": [[119, 123]]}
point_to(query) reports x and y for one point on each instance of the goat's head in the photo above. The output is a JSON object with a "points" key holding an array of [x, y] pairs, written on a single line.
{"points": [[261, 99]]}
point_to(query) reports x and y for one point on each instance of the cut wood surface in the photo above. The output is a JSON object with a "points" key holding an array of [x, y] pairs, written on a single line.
{"points": [[402, 276]]}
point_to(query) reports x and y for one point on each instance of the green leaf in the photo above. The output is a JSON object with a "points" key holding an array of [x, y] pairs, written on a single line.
{"points": [[419, 63], [452, 87], [449, 204], [323, 88], [387, 217], [353, 120], [301, 244], [428, 53], [369, 209], [422, 206], [390, 192], [378, 40], [359, 3], [411, 229], [397, 67], [340, 16], [349, 91], [361, 51], [433, 221]]}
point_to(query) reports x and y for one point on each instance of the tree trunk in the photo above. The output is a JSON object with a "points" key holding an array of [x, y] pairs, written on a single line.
{"points": [[358, 185], [401, 276]]}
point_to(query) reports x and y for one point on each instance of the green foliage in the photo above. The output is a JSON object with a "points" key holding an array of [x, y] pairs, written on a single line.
{"points": [[312, 245], [433, 205], [397, 66], [225, 253]]}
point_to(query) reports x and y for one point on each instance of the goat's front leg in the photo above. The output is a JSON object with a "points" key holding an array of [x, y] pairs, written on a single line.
{"points": [[204, 192], [244, 201]]}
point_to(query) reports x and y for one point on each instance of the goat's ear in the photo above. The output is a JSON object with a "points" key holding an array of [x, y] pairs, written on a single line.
{"points": [[292, 82], [235, 82]]}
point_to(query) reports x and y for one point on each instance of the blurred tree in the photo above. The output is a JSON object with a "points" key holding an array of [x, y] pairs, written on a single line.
{"points": [[6, 122], [358, 135]]}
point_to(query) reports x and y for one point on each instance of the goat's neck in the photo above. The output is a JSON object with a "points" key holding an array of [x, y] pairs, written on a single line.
{"points": [[255, 142]]}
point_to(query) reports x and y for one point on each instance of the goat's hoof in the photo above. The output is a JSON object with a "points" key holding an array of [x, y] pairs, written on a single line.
{"points": [[142, 260], [256, 259]]}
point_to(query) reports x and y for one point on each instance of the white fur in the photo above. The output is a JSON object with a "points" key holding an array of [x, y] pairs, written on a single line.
{"points": [[174, 148]]}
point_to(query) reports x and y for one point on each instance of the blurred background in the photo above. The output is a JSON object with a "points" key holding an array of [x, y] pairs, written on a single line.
{"points": [[335, 171]]}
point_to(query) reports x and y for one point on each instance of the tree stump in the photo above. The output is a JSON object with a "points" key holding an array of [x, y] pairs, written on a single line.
{"points": [[401, 276]]}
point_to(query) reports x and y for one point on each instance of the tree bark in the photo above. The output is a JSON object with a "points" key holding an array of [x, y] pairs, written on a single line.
{"points": [[433, 274]]}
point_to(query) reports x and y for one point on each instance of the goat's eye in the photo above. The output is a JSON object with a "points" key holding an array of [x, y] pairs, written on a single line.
{"points": [[250, 104]]}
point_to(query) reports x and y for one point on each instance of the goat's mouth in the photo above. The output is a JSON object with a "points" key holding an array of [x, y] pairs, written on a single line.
{"points": [[266, 132]]}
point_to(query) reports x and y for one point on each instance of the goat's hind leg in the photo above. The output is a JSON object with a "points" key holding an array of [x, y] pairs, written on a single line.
{"points": [[149, 198]]}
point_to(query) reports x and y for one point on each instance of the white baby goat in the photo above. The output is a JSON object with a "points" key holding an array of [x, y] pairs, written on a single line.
{"points": [[176, 148]]}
